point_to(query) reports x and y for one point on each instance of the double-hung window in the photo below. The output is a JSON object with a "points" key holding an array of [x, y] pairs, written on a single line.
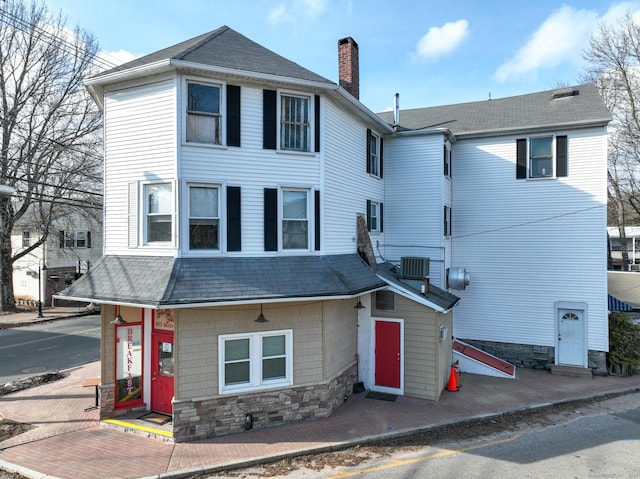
{"points": [[295, 219], [542, 157], [204, 119], [374, 154], [295, 123], [251, 361], [447, 221], [159, 209], [374, 216], [75, 239], [374, 158], [26, 239], [204, 217], [447, 160]]}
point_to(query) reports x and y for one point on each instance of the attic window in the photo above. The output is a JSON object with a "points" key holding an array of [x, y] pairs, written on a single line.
{"points": [[565, 93]]}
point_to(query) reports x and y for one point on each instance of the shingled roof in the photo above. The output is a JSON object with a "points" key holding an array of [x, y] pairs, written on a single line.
{"points": [[223, 48], [568, 107], [166, 281], [435, 298]]}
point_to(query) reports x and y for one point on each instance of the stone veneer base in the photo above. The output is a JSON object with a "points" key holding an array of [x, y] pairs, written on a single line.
{"points": [[218, 416]]}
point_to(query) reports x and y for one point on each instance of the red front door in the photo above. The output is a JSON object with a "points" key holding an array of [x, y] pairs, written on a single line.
{"points": [[162, 373], [388, 354]]}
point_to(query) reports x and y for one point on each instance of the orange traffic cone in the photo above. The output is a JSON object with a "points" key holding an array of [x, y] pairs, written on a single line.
{"points": [[453, 385]]}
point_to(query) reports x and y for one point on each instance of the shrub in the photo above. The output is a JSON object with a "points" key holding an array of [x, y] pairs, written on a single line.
{"points": [[624, 344]]}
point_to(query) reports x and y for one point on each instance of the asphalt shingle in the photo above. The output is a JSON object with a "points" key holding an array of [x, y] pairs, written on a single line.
{"points": [[547, 109], [162, 281], [228, 49]]}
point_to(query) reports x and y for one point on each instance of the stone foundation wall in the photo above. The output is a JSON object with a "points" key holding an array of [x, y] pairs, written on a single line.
{"points": [[199, 419], [535, 357]]}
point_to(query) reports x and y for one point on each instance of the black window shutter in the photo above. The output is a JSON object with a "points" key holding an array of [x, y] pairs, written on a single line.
{"points": [[316, 208], [369, 215], [381, 158], [233, 115], [561, 156], [61, 236], [316, 125], [88, 239], [521, 158], [368, 150], [234, 232], [381, 219], [270, 219], [269, 109]]}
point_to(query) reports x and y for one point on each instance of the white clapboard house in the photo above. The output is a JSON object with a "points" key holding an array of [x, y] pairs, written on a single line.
{"points": [[272, 246]]}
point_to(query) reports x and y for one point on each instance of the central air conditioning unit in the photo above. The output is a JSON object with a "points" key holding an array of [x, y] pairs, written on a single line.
{"points": [[414, 267], [458, 278]]}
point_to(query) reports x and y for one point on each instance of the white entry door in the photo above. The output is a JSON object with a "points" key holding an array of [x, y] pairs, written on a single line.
{"points": [[571, 340]]}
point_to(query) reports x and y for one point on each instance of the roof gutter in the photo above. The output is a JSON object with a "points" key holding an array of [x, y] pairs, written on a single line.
{"points": [[534, 128], [95, 85]]}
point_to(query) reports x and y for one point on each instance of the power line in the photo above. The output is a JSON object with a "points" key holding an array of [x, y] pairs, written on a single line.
{"points": [[51, 39], [44, 198], [526, 223], [51, 185]]}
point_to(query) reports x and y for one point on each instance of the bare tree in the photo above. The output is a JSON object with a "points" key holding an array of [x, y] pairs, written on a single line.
{"points": [[614, 65], [50, 150]]}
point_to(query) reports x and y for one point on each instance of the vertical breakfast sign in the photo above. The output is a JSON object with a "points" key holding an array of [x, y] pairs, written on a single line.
{"points": [[128, 364]]}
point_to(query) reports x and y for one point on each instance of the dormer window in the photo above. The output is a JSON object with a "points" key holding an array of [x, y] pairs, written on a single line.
{"points": [[204, 119]]}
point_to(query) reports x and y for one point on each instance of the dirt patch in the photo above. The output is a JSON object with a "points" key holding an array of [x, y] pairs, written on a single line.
{"points": [[9, 428], [27, 383]]}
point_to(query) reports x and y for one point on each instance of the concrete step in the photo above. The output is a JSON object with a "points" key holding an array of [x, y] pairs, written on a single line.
{"points": [[574, 371]]}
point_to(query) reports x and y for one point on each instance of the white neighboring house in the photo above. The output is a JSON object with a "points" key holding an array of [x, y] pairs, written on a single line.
{"points": [[632, 246], [73, 246]]}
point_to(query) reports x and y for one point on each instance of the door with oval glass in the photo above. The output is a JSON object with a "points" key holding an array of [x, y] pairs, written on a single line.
{"points": [[162, 373]]}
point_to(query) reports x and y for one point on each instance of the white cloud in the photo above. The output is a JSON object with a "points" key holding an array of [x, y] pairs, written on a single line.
{"points": [[618, 11], [117, 58], [560, 39], [441, 40], [297, 9]]}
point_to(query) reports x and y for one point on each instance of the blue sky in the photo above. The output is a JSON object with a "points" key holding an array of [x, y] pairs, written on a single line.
{"points": [[430, 52]]}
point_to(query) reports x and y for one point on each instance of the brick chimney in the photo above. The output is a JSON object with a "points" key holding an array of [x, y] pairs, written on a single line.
{"points": [[349, 66]]}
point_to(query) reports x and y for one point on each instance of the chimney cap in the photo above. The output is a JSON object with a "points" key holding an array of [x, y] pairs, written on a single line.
{"points": [[344, 40]]}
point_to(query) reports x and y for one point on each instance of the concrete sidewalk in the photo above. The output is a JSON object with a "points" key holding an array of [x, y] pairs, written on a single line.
{"points": [[69, 442]]}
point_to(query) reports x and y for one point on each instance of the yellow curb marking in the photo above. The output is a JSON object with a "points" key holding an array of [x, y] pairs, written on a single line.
{"points": [[45, 339], [137, 427], [397, 463]]}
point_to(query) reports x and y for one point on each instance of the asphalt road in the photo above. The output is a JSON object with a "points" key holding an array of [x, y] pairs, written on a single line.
{"points": [[590, 440], [48, 347]]}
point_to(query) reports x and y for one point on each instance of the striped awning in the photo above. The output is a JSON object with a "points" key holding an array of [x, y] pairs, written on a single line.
{"points": [[616, 305]]}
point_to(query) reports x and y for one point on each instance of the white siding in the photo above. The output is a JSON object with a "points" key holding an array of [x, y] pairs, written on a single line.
{"points": [[414, 200], [140, 145], [346, 184], [252, 168], [528, 243]]}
